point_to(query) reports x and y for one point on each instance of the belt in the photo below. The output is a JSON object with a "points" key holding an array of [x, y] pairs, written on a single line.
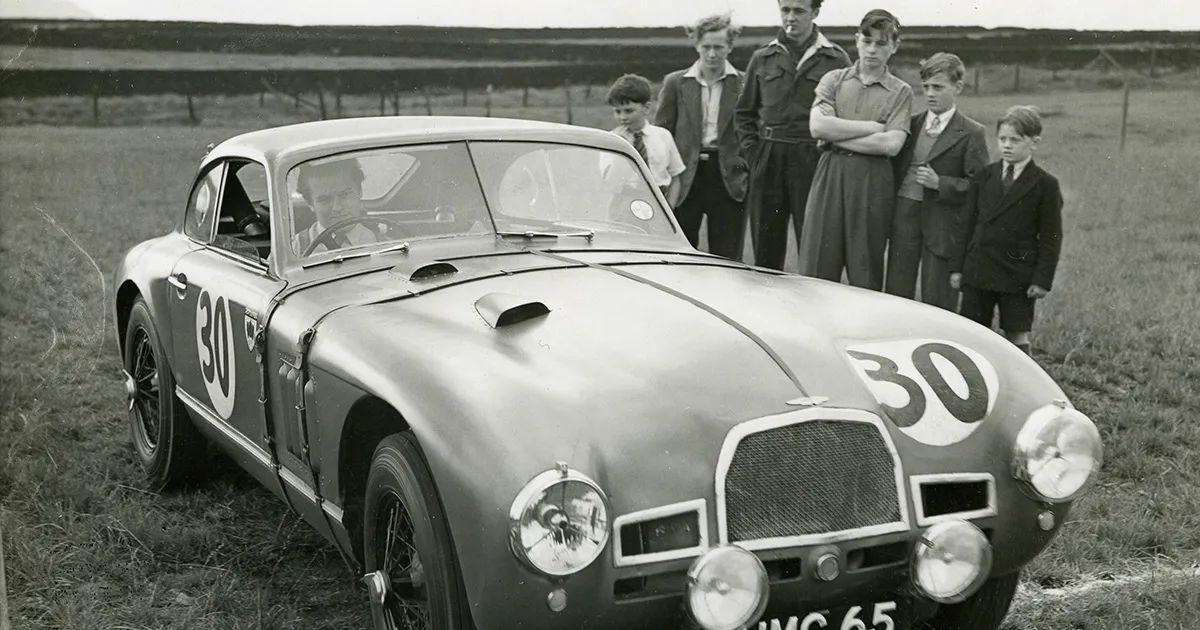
{"points": [[707, 154], [783, 134]]}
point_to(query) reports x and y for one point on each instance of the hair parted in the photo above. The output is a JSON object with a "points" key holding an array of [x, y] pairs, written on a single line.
{"points": [[349, 166], [713, 24], [629, 88], [882, 21], [1024, 119], [945, 63]]}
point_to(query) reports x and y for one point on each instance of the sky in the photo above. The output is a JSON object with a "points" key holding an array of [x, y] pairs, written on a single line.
{"points": [[1064, 14]]}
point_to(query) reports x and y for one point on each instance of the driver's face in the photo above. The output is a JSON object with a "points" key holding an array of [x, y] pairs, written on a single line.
{"points": [[335, 197]]}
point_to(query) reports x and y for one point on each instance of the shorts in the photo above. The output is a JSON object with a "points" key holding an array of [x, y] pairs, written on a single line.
{"points": [[1016, 309]]}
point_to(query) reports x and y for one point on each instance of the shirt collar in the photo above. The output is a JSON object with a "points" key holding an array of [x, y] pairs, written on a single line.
{"points": [[1018, 167], [943, 118], [887, 81], [821, 42], [694, 71]]}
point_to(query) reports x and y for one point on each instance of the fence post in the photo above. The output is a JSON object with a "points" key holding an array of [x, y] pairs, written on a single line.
{"points": [[525, 97], [96, 104], [428, 103], [337, 97], [1017, 79], [488, 102], [191, 110], [321, 101], [395, 101], [381, 103], [1124, 117], [567, 91]]}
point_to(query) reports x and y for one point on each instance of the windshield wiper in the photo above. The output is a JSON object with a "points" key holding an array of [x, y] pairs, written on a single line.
{"points": [[340, 258], [588, 234], [398, 247]]}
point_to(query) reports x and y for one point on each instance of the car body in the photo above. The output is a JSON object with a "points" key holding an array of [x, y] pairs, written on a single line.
{"points": [[529, 321]]}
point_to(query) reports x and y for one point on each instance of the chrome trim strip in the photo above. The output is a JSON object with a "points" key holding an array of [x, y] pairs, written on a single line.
{"points": [[256, 451], [695, 505], [758, 425], [918, 480]]}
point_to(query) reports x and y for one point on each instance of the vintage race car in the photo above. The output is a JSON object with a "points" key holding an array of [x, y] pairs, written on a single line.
{"points": [[479, 357]]}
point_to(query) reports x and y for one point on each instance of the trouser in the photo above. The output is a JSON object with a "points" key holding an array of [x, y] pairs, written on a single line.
{"points": [[907, 250], [849, 219], [726, 215], [780, 179]]}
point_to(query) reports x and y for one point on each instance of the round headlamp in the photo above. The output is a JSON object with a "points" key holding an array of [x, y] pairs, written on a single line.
{"points": [[559, 522], [951, 561], [1057, 453], [727, 589]]}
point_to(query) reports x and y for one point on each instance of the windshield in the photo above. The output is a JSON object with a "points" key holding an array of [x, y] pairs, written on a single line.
{"points": [[366, 198]]}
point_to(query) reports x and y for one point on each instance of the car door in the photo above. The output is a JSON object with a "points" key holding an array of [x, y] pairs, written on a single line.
{"points": [[218, 294]]}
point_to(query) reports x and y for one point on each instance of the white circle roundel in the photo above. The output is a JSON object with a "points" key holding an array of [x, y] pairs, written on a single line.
{"points": [[936, 392], [214, 342]]}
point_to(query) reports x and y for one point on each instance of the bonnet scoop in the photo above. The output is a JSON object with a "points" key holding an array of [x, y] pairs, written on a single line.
{"points": [[504, 309]]}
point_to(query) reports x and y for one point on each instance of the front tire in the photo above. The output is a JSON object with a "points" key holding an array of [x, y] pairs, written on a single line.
{"points": [[412, 570], [985, 610], [168, 445]]}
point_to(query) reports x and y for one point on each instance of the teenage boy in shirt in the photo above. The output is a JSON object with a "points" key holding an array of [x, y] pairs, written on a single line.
{"points": [[944, 150], [861, 114]]}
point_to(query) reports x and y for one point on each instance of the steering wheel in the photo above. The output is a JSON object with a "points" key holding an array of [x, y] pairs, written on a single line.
{"points": [[326, 236], [602, 224]]}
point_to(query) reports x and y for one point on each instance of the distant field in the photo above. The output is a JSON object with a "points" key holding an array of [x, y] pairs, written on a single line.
{"points": [[87, 547], [41, 58]]}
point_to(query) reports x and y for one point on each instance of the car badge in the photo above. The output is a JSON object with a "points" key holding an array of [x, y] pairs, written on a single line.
{"points": [[251, 329]]}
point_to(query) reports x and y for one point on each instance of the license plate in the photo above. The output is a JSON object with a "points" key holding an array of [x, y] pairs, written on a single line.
{"points": [[877, 616]]}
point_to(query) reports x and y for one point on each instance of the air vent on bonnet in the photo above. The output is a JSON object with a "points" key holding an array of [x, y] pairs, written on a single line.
{"points": [[503, 309], [423, 270]]}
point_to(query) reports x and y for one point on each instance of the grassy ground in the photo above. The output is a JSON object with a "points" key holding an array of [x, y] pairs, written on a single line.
{"points": [[86, 547]]}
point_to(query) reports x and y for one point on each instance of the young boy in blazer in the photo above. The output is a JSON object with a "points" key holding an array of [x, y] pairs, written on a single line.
{"points": [[943, 151], [1012, 232]]}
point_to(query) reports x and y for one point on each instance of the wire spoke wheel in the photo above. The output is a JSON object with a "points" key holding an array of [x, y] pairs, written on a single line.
{"points": [[413, 577], [147, 419]]}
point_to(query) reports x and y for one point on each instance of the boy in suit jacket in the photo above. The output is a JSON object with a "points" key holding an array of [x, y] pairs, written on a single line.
{"points": [[1012, 232], [943, 151], [696, 106]]}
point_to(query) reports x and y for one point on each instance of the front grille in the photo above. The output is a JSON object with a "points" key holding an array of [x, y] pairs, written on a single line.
{"points": [[807, 478]]}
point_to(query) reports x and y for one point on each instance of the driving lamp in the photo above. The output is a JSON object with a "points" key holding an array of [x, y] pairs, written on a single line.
{"points": [[951, 561], [727, 589], [559, 522], [1057, 453]]}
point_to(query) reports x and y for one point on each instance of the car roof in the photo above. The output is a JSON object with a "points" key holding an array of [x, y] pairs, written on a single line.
{"points": [[291, 144]]}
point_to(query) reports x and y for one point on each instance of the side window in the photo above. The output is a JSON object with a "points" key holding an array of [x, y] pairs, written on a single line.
{"points": [[244, 216], [202, 206]]}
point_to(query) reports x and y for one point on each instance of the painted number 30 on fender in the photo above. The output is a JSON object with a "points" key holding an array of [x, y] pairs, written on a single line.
{"points": [[214, 342], [936, 392]]}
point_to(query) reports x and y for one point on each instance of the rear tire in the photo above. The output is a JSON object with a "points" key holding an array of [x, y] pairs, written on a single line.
{"points": [[985, 610], [407, 538], [168, 445]]}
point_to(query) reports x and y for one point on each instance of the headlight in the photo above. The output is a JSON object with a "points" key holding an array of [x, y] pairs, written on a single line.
{"points": [[559, 522], [1058, 453], [951, 561], [727, 589]]}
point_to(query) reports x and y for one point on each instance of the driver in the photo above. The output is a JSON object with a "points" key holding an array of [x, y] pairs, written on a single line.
{"points": [[334, 191]]}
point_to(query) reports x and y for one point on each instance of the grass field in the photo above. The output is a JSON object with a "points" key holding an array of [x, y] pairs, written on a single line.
{"points": [[86, 547]]}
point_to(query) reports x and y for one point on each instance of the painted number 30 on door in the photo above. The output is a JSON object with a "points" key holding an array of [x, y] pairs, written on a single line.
{"points": [[214, 342]]}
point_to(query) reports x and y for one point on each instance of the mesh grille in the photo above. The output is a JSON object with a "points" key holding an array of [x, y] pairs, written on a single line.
{"points": [[810, 478]]}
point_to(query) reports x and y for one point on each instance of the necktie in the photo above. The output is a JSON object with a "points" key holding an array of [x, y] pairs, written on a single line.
{"points": [[934, 128], [639, 144], [1007, 181]]}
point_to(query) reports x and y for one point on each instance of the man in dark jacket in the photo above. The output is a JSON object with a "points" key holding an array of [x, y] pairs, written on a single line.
{"points": [[772, 126]]}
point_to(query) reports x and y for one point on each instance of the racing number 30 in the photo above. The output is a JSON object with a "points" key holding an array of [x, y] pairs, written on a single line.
{"points": [[968, 410], [214, 335]]}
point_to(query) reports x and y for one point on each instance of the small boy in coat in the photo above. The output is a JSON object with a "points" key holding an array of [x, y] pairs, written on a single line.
{"points": [[933, 176], [1012, 232]]}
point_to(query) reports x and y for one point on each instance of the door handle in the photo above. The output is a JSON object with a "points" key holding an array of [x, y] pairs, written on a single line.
{"points": [[179, 281]]}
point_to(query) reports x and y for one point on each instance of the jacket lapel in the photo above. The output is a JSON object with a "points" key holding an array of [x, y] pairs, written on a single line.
{"points": [[1028, 179], [730, 86], [690, 95], [949, 137]]}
